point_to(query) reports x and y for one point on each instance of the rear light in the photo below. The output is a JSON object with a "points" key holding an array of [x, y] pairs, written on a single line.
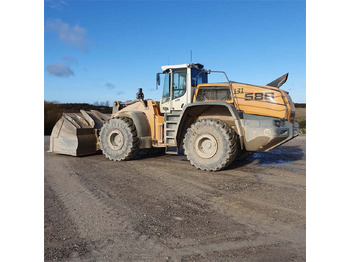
{"points": [[291, 109], [291, 117]]}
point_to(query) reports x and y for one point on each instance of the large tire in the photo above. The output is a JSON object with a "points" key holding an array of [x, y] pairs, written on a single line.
{"points": [[210, 144], [118, 139]]}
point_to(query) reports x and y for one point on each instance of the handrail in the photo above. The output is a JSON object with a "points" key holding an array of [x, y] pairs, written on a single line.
{"points": [[229, 82]]}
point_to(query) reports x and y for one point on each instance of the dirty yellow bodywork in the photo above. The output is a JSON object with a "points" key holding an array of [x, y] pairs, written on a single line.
{"points": [[256, 100], [251, 99]]}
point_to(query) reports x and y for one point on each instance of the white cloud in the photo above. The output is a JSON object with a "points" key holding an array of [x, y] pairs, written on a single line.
{"points": [[59, 70], [74, 36], [56, 4]]}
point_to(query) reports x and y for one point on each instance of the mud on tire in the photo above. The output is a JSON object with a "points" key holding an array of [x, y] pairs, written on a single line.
{"points": [[210, 144], [118, 139]]}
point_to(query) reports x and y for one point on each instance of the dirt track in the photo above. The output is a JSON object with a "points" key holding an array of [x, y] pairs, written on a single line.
{"points": [[162, 209]]}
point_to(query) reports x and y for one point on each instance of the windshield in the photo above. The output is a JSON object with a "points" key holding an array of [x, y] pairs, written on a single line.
{"points": [[179, 83]]}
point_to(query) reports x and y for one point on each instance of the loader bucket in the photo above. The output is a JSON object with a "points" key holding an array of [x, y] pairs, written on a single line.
{"points": [[76, 134]]}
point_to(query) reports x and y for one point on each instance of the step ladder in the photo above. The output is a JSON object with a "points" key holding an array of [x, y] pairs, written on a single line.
{"points": [[171, 122]]}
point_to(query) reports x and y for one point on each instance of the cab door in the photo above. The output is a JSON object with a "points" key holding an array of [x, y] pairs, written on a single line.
{"points": [[178, 89]]}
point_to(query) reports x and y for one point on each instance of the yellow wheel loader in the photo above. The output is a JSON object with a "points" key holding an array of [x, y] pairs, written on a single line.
{"points": [[215, 123]]}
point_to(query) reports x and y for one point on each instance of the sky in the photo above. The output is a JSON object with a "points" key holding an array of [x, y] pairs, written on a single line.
{"points": [[98, 51]]}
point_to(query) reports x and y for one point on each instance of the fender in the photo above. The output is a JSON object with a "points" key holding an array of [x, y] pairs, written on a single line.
{"points": [[201, 107], [141, 123]]}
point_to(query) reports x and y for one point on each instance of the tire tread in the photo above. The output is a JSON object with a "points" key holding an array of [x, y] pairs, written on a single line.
{"points": [[226, 131]]}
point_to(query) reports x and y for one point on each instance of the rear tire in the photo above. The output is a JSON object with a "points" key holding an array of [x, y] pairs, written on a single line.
{"points": [[210, 144], [118, 139]]}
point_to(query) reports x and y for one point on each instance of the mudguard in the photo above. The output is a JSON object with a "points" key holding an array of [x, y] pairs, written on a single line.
{"points": [[141, 123], [188, 109]]}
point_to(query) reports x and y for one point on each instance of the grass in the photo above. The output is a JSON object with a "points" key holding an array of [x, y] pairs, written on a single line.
{"points": [[300, 117]]}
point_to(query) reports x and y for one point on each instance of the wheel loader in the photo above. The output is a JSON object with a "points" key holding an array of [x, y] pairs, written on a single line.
{"points": [[215, 123]]}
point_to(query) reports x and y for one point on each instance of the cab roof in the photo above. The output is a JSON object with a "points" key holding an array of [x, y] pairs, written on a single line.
{"points": [[191, 65], [214, 84]]}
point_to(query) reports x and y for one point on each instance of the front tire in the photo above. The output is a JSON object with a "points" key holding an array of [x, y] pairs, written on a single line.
{"points": [[210, 144], [118, 139]]}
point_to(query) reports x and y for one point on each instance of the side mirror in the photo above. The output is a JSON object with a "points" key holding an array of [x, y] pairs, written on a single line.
{"points": [[158, 80]]}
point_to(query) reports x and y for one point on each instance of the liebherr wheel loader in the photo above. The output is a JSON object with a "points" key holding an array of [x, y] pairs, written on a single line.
{"points": [[215, 123]]}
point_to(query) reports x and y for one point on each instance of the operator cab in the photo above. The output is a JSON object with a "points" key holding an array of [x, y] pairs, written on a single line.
{"points": [[179, 84]]}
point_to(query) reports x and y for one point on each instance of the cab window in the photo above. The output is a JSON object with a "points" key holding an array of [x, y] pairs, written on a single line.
{"points": [[216, 93], [179, 83], [198, 77]]}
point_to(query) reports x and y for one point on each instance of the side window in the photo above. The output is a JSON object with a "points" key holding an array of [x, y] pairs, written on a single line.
{"points": [[198, 77], [179, 84], [166, 89], [214, 93]]}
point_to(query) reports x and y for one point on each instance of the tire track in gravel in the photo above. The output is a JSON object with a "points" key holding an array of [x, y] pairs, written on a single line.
{"points": [[212, 181], [107, 200], [199, 192], [272, 175], [147, 187], [189, 247], [265, 221], [184, 186], [59, 245], [97, 222], [117, 236], [227, 204]]}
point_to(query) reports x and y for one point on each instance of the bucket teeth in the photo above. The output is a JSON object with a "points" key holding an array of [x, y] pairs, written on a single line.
{"points": [[82, 120], [76, 134], [88, 118], [71, 120]]}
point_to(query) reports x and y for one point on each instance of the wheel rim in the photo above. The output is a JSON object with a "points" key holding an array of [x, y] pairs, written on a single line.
{"points": [[115, 140], [206, 146]]}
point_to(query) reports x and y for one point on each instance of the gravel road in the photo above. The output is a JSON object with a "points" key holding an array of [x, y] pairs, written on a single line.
{"points": [[161, 208]]}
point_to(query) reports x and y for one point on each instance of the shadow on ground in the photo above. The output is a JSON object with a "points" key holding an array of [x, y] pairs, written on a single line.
{"points": [[279, 155]]}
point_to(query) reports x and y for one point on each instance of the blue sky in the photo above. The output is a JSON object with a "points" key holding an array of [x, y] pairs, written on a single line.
{"points": [[106, 50]]}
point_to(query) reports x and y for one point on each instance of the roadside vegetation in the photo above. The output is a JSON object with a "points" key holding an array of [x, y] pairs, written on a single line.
{"points": [[300, 116]]}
